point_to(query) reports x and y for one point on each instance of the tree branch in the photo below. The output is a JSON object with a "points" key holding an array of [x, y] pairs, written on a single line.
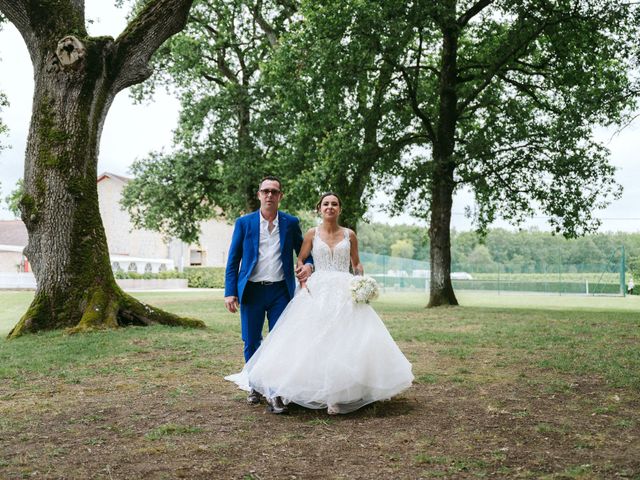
{"points": [[499, 64], [472, 12], [413, 93], [472, 66], [211, 78], [41, 24], [224, 68], [159, 20], [209, 28], [533, 66], [240, 57], [418, 57], [428, 68], [16, 13], [506, 183], [413, 99], [529, 90], [407, 140], [512, 148], [266, 27]]}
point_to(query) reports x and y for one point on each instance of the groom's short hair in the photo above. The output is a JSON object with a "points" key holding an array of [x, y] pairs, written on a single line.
{"points": [[273, 178]]}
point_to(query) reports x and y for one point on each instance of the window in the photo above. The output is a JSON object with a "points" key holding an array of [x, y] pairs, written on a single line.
{"points": [[196, 258], [115, 266], [147, 268], [133, 267]]}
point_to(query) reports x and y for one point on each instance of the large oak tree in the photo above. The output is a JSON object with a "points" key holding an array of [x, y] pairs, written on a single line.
{"points": [[508, 94], [499, 96], [76, 79]]}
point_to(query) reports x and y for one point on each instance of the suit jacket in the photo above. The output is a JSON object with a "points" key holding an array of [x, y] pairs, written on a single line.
{"points": [[243, 252]]}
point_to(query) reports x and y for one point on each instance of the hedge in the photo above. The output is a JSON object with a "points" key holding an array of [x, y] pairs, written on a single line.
{"points": [[199, 277], [205, 277]]}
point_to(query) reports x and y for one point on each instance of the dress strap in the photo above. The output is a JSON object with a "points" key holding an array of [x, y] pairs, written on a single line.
{"points": [[346, 233]]}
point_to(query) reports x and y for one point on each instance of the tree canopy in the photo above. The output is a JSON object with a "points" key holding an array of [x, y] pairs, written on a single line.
{"points": [[13, 199], [226, 136], [530, 81], [3, 104]]}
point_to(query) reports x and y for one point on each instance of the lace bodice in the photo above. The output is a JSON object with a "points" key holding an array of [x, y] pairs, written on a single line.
{"points": [[336, 260]]}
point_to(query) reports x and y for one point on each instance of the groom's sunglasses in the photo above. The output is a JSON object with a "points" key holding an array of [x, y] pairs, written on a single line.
{"points": [[272, 191]]}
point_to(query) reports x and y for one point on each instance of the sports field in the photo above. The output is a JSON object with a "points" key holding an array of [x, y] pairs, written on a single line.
{"points": [[507, 386]]}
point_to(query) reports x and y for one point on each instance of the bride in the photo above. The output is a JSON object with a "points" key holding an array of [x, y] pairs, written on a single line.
{"points": [[326, 351]]}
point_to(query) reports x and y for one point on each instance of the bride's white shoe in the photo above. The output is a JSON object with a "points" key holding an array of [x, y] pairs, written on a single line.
{"points": [[332, 410]]}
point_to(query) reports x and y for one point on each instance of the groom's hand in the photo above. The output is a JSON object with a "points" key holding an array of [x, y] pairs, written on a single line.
{"points": [[303, 272], [231, 303]]}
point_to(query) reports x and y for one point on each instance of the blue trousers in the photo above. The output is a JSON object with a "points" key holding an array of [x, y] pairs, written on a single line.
{"points": [[258, 300]]}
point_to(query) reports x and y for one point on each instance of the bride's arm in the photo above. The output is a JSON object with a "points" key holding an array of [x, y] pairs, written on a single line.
{"points": [[358, 269], [305, 250]]}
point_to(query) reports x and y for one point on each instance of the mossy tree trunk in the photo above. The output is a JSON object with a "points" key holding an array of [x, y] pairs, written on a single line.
{"points": [[76, 79]]}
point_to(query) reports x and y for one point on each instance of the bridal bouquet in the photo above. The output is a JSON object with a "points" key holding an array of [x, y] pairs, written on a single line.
{"points": [[364, 289]]}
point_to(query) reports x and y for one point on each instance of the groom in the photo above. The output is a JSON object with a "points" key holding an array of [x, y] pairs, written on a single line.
{"points": [[259, 278]]}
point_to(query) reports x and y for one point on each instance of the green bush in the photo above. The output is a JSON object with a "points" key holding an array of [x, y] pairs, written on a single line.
{"points": [[149, 276], [199, 277], [205, 277]]}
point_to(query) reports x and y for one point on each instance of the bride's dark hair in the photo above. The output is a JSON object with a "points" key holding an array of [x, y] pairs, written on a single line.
{"points": [[328, 194]]}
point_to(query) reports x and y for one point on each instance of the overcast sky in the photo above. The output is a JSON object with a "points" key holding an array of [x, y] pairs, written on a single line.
{"points": [[131, 131]]}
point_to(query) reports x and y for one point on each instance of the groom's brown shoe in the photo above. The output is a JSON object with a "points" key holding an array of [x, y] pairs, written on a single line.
{"points": [[275, 405], [254, 397]]}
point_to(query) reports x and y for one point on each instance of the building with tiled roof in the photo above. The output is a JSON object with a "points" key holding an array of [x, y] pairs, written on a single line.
{"points": [[13, 239], [129, 248], [13, 232]]}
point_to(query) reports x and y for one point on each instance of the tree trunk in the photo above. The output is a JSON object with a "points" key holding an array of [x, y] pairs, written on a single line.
{"points": [[74, 87], [247, 151], [441, 290], [442, 180]]}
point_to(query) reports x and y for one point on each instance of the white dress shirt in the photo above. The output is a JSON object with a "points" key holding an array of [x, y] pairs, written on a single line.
{"points": [[269, 266]]}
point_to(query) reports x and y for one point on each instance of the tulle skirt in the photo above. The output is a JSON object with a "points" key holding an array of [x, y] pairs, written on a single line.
{"points": [[327, 350]]}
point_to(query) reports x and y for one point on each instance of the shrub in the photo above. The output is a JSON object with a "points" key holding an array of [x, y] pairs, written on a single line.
{"points": [[205, 277], [199, 277], [148, 275]]}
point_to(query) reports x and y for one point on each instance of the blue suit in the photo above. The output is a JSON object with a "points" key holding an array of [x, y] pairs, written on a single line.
{"points": [[257, 299]]}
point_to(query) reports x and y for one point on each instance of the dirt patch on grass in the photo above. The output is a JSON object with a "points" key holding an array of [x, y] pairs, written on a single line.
{"points": [[171, 415]]}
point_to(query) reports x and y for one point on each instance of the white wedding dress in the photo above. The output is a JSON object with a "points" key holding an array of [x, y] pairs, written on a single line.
{"points": [[327, 350]]}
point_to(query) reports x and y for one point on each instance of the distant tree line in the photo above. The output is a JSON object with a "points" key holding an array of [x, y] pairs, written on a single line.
{"points": [[530, 249]]}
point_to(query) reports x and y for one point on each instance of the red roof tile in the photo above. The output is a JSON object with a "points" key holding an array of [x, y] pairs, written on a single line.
{"points": [[13, 232]]}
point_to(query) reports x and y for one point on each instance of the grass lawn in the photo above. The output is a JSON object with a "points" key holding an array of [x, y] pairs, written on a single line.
{"points": [[507, 386]]}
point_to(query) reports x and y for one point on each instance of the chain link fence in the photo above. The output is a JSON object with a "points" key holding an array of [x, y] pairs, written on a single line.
{"points": [[403, 274]]}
